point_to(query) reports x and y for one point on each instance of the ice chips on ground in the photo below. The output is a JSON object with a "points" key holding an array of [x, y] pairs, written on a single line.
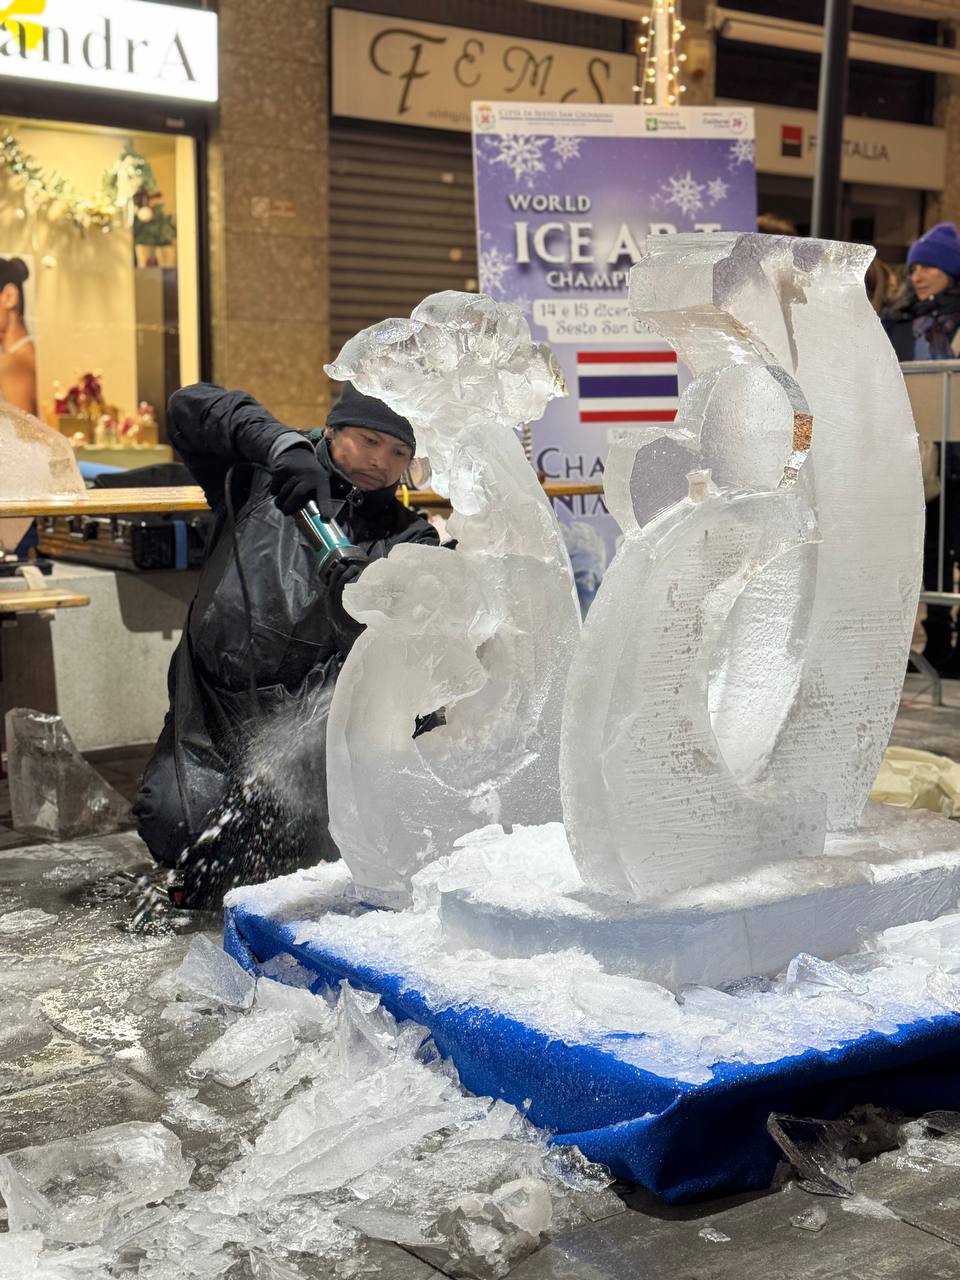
{"points": [[567, 995], [360, 1115], [208, 973], [22, 1258], [77, 1189], [250, 1045]]}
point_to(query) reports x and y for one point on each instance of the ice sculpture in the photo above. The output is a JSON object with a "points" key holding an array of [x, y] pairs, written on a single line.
{"points": [[483, 635], [35, 461], [741, 666]]}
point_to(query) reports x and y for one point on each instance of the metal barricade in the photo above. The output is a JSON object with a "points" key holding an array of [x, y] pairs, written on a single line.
{"points": [[936, 411]]}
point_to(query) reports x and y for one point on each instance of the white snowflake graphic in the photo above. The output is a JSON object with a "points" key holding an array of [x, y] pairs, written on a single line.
{"points": [[685, 192], [492, 266], [742, 151], [717, 190], [521, 154], [565, 149]]}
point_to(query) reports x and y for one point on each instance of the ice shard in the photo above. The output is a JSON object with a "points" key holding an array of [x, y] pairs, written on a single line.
{"points": [[484, 635], [75, 1190], [54, 791], [741, 666]]}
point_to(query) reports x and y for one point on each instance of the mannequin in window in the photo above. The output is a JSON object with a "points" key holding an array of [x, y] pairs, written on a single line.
{"points": [[18, 359]]}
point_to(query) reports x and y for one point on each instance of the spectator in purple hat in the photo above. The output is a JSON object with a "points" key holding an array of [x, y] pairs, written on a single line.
{"points": [[923, 323], [923, 320]]}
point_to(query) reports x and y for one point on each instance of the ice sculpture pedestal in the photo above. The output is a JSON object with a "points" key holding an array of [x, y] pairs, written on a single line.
{"points": [[652, 1088], [519, 896]]}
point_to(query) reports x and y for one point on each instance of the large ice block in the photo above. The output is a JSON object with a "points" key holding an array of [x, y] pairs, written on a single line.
{"points": [[741, 666], [483, 635], [54, 792], [522, 895], [35, 461]]}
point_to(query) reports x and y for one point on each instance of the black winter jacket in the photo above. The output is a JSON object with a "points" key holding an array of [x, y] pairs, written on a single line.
{"points": [[937, 319], [276, 634]]}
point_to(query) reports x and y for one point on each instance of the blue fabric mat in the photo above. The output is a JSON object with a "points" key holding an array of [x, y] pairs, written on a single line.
{"points": [[682, 1141]]}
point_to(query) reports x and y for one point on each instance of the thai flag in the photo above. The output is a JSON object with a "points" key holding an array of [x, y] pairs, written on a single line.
{"points": [[627, 386]]}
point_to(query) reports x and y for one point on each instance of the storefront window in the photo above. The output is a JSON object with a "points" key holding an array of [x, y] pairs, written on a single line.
{"points": [[99, 314]]}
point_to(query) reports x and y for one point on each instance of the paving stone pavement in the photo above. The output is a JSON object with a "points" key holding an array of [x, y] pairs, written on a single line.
{"points": [[109, 1059]]}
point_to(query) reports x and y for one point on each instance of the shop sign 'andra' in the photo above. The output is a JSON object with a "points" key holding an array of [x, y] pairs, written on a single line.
{"points": [[131, 46]]}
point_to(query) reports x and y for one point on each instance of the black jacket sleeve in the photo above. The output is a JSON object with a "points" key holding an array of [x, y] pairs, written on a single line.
{"points": [[212, 428]]}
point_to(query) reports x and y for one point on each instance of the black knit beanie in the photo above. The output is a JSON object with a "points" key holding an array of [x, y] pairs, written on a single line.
{"points": [[354, 409]]}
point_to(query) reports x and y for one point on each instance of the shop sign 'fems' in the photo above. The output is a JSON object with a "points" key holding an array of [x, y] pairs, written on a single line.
{"points": [[126, 46]]}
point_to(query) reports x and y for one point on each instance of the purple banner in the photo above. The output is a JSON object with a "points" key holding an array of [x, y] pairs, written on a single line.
{"points": [[566, 195]]}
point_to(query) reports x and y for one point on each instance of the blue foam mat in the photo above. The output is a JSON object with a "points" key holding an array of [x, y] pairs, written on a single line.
{"points": [[682, 1141]]}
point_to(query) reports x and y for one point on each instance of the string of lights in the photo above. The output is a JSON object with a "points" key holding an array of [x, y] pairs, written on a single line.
{"points": [[659, 55]]}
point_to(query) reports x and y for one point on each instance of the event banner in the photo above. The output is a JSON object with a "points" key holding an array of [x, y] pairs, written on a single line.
{"points": [[566, 196]]}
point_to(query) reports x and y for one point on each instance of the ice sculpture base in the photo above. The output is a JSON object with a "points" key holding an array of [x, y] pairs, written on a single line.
{"points": [[662, 1092], [519, 896]]}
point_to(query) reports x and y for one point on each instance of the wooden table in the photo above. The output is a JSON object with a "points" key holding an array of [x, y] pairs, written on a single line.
{"points": [[14, 603], [106, 502]]}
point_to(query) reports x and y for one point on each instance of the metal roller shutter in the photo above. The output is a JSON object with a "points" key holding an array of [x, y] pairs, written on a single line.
{"points": [[401, 221]]}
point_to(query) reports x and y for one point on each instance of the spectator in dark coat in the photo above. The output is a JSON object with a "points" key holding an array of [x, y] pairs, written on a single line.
{"points": [[923, 324]]}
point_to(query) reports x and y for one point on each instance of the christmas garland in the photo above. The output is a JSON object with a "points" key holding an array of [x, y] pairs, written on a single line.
{"points": [[127, 191]]}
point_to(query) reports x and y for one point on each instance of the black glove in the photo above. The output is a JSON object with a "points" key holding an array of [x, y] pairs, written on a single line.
{"points": [[298, 478], [345, 627]]}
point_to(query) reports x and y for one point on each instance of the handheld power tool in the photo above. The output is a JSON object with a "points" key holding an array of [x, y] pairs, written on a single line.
{"points": [[327, 538]]}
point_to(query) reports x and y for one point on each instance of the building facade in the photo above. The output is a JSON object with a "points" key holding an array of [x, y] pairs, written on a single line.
{"points": [[326, 180]]}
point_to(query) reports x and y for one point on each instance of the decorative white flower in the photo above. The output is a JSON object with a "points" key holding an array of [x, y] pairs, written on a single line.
{"points": [[521, 154], [717, 190], [565, 149], [684, 192], [742, 151], [493, 266]]}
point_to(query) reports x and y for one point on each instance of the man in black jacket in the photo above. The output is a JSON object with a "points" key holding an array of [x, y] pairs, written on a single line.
{"points": [[235, 791]]}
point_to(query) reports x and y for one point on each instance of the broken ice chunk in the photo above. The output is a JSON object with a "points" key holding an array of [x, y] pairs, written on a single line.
{"points": [[77, 1189], [310, 1015], [365, 1034], [810, 976], [184, 1108], [944, 988], [814, 1219], [713, 1236], [624, 1004], [263, 1267], [285, 969], [340, 1128], [815, 1149], [252, 1044], [936, 941], [208, 972], [942, 1122], [583, 1190], [487, 1234], [54, 792]]}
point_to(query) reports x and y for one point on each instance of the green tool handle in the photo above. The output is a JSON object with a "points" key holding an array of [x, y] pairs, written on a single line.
{"points": [[325, 536]]}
